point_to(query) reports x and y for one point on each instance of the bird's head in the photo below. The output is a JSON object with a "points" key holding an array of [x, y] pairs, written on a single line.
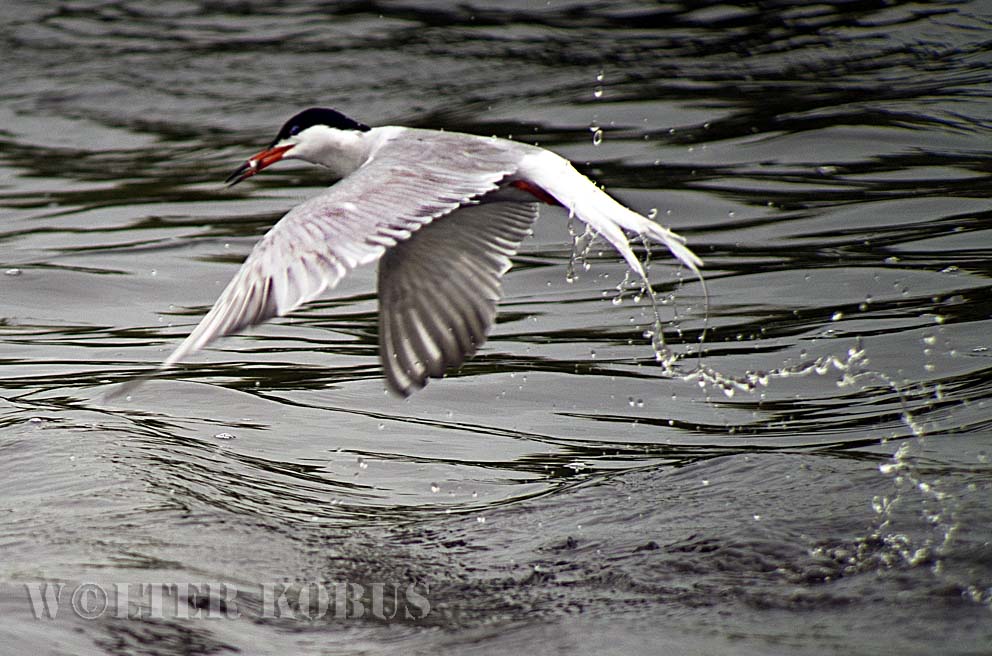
{"points": [[317, 135]]}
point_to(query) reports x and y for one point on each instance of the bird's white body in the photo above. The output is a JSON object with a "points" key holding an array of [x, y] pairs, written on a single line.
{"points": [[442, 212]]}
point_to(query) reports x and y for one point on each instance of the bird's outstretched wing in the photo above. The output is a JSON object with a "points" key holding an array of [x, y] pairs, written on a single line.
{"points": [[408, 182], [438, 290]]}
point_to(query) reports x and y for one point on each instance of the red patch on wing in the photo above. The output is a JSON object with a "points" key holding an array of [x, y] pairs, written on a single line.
{"points": [[535, 191]]}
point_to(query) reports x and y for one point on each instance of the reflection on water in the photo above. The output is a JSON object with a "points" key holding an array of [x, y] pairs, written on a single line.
{"points": [[820, 444]]}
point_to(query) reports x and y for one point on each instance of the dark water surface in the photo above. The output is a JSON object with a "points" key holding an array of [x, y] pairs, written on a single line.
{"points": [[815, 481]]}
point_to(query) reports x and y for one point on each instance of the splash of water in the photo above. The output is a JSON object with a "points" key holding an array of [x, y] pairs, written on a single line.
{"points": [[884, 545], [582, 241]]}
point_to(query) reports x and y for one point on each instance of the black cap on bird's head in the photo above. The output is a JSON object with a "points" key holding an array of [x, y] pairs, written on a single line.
{"points": [[283, 142], [332, 118]]}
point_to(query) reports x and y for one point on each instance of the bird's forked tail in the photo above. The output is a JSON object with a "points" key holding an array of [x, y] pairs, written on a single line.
{"points": [[590, 204]]}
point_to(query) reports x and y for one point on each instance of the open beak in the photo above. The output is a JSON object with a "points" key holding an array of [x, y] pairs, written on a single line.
{"points": [[267, 157]]}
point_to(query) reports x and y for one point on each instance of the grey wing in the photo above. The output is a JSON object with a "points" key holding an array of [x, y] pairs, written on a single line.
{"points": [[438, 290], [412, 179]]}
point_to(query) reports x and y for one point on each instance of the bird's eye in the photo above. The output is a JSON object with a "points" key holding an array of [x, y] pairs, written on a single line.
{"points": [[295, 130]]}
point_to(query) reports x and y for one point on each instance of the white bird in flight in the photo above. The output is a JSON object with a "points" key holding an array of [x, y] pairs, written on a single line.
{"points": [[442, 213]]}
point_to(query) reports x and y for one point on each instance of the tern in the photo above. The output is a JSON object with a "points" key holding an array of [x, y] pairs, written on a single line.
{"points": [[441, 212]]}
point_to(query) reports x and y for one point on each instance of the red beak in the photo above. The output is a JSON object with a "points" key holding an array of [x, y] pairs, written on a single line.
{"points": [[267, 157]]}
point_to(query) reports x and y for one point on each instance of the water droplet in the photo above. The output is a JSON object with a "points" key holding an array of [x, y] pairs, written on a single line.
{"points": [[362, 464], [12, 272], [435, 488], [597, 136], [597, 92], [480, 519], [225, 436]]}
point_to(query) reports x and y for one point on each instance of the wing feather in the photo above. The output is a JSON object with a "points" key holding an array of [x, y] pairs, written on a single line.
{"points": [[439, 289], [410, 180]]}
